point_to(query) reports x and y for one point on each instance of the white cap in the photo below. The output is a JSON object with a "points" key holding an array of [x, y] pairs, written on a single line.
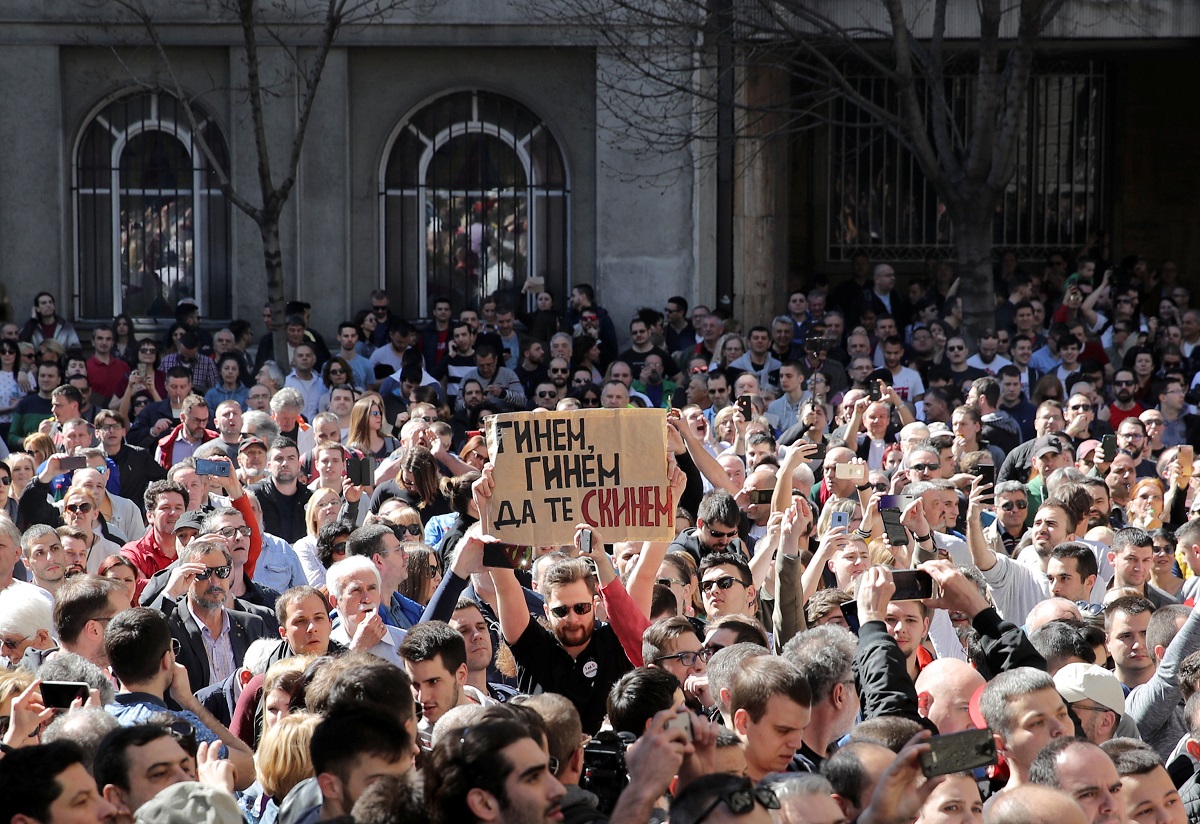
{"points": [[1080, 682]]}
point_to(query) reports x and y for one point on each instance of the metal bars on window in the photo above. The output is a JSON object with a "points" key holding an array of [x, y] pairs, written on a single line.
{"points": [[151, 224], [881, 203], [474, 201]]}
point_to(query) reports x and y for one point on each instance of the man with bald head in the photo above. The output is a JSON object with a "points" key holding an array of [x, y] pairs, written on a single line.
{"points": [[1051, 609], [944, 690], [1034, 805], [833, 486]]}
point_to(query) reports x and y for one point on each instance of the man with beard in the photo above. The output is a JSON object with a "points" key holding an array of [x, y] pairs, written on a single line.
{"points": [[575, 656], [1131, 438], [1124, 405], [435, 657], [1014, 403], [1085, 772], [1100, 513], [558, 372], [531, 366], [663, 394], [1016, 586], [825, 657], [212, 638], [1012, 506], [281, 494], [1121, 475]]}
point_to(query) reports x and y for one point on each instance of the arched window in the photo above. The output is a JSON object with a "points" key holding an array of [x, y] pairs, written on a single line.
{"points": [[151, 224], [474, 199]]}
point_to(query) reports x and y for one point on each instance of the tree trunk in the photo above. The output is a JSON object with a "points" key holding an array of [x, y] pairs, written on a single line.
{"points": [[273, 262], [973, 246]]}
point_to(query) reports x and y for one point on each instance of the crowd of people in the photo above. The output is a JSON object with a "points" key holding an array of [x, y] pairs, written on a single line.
{"points": [[233, 589]]}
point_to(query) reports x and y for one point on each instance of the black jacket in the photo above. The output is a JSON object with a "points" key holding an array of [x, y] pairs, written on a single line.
{"points": [[244, 629], [270, 499], [139, 430], [137, 469]]}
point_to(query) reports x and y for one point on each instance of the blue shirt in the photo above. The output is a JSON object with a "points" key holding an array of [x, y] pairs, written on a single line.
{"points": [[133, 708], [278, 565]]}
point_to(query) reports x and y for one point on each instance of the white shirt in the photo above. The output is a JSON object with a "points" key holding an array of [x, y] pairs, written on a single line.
{"points": [[992, 368]]}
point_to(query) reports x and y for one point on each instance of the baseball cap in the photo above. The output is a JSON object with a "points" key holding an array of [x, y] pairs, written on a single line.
{"points": [[1046, 444], [1080, 682], [251, 440], [1087, 448], [189, 802], [190, 520]]}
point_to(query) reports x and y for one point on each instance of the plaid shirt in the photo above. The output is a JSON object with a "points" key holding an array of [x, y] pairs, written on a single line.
{"points": [[204, 371]]}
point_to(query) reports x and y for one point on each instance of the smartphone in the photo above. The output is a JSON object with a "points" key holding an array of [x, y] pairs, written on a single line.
{"points": [[585, 542], [819, 455], [1108, 448], [144, 370], [362, 472], [874, 392], [851, 472], [988, 473], [682, 721], [959, 752], [60, 694], [896, 502], [850, 613], [507, 556], [745, 404], [69, 463], [761, 496], [839, 519], [1187, 454], [206, 467], [912, 585], [897, 535]]}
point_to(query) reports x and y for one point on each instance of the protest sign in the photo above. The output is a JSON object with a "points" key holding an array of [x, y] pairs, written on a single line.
{"points": [[603, 467]]}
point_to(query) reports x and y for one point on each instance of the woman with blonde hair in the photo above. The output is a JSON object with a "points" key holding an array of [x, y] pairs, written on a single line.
{"points": [[322, 509], [23, 468], [1145, 507], [38, 445], [282, 761], [475, 452], [12, 684]]}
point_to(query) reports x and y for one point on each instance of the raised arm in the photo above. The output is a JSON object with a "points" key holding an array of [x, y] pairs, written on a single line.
{"points": [[709, 466]]}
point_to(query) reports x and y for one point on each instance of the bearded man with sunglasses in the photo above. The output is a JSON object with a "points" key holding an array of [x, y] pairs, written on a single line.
{"points": [[213, 639]]}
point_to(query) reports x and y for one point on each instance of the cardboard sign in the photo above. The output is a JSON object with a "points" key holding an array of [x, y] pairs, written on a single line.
{"points": [[603, 467]]}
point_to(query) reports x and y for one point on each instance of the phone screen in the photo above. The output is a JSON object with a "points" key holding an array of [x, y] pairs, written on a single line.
{"points": [[60, 694], [511, 556], [761, 496], [988, 473], [71, 463], [912, 585]]}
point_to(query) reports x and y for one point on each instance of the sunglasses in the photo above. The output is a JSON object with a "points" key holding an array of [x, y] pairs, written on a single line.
{"points": [[12, 645], [547, 394], [716, 533], [221, 572], [339, 546], [1124, 383], [83, 508], [5, 481], [669, 582], [411, 529], [688, 659], [926, 467], [955, 348], [337, 371], [1009, 506], [724, 582], [741, 802], [1081, 407], [579, 609]]}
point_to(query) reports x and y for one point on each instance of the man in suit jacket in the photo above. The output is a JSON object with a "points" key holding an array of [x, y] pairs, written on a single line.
{"points": [[213, 639]]}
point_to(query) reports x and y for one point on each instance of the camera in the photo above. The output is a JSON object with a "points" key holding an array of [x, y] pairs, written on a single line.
{"points": [[604, 772]]}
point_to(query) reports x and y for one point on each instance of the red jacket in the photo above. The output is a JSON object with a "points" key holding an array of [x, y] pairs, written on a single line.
{"points": [[166, 445]]}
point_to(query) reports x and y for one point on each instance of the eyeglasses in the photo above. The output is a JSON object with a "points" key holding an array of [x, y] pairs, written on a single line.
{"points": [[1090, 609], [561, 610], [5, 481], [955, 348], [148, 350], [1163, 550], [83, 508], [411, 529], [688, 659], [375, 413], [221, 572], [234, 531], [926, 467], [1132, 436], [716, 533], [339, 546], [1080, 407], [741, 802], [1153, 421], [1009, 506], [12, 645], [669, 582], [336, 370], [724, 582], [547, 394]]}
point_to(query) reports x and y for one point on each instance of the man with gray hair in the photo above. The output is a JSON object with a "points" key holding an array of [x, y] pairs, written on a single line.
{"points": [[825, 657], [1025, 713], [26, 620], [286, 406], [804, 798], [213, 639]]}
